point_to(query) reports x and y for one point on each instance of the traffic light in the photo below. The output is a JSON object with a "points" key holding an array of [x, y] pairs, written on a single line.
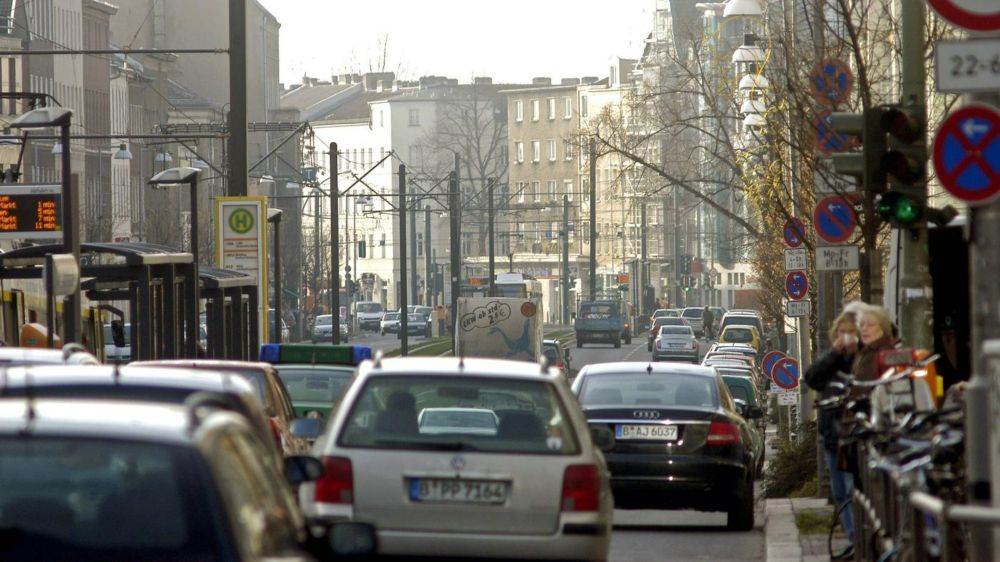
{"points": [[905, 163], [899, 209], [865, 165]]}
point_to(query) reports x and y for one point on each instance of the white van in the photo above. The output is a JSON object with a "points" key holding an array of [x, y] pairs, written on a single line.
{"points": [[369, 315]]}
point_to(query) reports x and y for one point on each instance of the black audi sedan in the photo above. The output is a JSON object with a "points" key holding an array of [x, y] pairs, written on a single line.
{"points": [[681, 441]]}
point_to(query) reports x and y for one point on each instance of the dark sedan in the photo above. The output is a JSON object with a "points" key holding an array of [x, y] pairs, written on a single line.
{"points": [[680, 440]]}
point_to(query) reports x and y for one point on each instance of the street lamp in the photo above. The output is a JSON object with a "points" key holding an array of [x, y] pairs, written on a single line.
{"points": [[274, 217], [176, 176], [123, 153], [41, 118]]}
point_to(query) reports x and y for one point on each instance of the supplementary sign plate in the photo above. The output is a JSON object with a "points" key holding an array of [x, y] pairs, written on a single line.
{"points": [[836, 258], [967, 65], [796, 259], [788, 398], [797, 309]]}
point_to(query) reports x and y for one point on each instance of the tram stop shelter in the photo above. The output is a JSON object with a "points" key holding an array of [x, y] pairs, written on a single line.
{"points": [[155, 281]]}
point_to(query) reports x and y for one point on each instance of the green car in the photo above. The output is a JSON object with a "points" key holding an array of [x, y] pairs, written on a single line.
{"points": [[315, 390], [742, 387]]}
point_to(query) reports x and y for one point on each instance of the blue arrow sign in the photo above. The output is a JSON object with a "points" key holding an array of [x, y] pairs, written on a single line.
{"points": [[786, 373], [796, 285], [795, 232], [967, 153]]}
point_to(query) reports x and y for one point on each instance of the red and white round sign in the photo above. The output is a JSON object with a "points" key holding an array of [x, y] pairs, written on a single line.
{"points": [[974, 15]]}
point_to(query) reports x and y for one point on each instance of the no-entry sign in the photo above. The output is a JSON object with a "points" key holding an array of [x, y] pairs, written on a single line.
{"points": [[967, 153]]}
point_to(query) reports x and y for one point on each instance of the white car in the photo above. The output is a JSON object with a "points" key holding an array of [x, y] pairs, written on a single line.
{"points": [[413, 451]]}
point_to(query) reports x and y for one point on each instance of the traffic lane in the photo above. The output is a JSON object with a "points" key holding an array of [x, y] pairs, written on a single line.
{"points": [[685, 535], [606, 353]]}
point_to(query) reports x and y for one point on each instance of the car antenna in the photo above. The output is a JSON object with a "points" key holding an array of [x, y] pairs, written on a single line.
{"points": [[649, 368], [29, 396], [116, 372]]}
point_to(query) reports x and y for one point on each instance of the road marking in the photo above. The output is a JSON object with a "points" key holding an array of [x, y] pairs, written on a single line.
{"points": [[637, 347]]}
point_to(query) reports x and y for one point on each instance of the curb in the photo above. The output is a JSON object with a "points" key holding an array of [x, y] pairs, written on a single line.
{"points": [[781, 535]]}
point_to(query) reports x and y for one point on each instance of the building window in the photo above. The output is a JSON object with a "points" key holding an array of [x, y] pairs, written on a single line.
{"points": [[568, 150], [381, 118], [552, 108], [551, 186], [568, 189], [534, 110], [414, 117], [521, 187], [536, 151], [567, 108], [382, 244], [552, 150], [519, 111], [519, 152], [534, 191], [583, 106]]}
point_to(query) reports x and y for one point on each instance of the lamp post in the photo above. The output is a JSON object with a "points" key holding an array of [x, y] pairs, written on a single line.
{"points": [[176, 176], [42, 118], [274, 217]]}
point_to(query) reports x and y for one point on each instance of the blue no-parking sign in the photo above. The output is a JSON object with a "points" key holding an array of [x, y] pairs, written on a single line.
{"points": [[785, 373], [967, 153], [796, 285], [795, 232], [834, 219], [771, 358]]}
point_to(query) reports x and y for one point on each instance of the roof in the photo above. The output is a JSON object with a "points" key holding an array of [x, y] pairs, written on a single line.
{"points": [[471, 367], [129, 375], [357, 108], [313, 101], [643, 367], [104, 419]]}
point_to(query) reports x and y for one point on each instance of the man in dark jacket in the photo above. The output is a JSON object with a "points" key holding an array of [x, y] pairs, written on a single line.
{"points": [[708, 323], [839, 358]]}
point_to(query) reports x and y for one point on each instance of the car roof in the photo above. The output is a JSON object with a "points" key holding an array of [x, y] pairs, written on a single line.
{"points": [[105, 419], [33, 355], [468, 366], [208, 364], [314, 367], [110, 375], [635, 367], [735, 327]]}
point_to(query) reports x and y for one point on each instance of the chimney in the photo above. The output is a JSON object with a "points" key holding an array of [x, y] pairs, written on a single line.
{"points": [[482, 81], [589, 79], [541, 81], [570, 82]]}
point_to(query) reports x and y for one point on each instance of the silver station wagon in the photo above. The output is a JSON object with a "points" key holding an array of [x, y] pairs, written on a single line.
{"points": [[453, 457]]}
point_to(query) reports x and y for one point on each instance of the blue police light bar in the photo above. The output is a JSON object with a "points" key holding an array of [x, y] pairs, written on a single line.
{"points": [[311, 353]]}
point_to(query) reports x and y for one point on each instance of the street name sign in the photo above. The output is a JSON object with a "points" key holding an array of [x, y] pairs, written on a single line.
{"points": [[785, 373], [968, 65], [794, 233], [796, 285], [837, 258], [31, 212], [974, 15], [797, 309], [967, 153], [796, 259], [834, 219]]}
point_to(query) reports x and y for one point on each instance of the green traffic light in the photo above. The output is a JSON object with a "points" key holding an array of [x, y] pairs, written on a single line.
{"points": [[898, 208], [906, 212]]}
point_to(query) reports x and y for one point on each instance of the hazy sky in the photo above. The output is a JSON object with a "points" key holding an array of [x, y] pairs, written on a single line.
{"points": [[510, 40]]}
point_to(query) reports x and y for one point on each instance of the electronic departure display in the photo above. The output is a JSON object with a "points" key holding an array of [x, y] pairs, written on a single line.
{"points": [[30, 212]]}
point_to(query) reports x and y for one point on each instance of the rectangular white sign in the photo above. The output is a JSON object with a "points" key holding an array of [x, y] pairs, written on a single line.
{"points": [[796, 259], [788, 398], [967, 65], [795, 309], [241, 244], [837, 258]]}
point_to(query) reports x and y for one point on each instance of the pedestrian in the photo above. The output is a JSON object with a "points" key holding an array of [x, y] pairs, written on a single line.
{"points": [[844, 340], [441, 316], [876, 333], [708, 323]]}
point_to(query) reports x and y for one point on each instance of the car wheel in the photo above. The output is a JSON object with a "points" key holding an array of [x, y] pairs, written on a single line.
{"points": [[741, 512], [618, 344]]}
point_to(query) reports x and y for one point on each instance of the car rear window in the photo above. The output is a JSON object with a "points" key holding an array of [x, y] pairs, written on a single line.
{"points": [[741, 320], [650, 390], [391, 316], [596, 311], [738, 391], [738, 336], [676, 331], [391, 412], [113, 499], [369, 307], [692, 313], [315, 385]]}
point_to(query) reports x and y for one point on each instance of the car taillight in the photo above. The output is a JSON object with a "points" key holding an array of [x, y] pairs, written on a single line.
{"points": [[581, 489], [723, 433], [659, 344], [337, 483]]}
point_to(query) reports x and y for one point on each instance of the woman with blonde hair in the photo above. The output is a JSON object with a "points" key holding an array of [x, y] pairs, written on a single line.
{"points": [[875, 329]]}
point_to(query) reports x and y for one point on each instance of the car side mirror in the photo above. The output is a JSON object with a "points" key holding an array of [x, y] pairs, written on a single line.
{"points": [[602, 437], [306, 428], [302, 468], [741, 406]]}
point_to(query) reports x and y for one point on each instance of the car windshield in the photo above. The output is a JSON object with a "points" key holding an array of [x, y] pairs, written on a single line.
{"points": [[390, 413], [369, 307], [676, 331], [391, 316], [614, 390], [735, 372], [324, 320], [738, 336], [596, 311], [692, 313], [673, 313], [96, 497], [411, 318], [738, 390], [315, 385]]}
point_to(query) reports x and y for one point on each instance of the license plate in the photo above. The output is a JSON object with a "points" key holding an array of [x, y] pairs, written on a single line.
{"points": [[678, 345], [452, 490], [650, 432]]}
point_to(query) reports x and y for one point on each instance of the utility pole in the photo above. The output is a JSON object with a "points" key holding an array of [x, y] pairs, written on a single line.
{"points": [[414, 287], [334, 245], [403, 288], [454, 206], [678, 291], [428, 273], [317, 257], [490, 242], [237, 98], [593, 218], [643, 282], [565, 261]]}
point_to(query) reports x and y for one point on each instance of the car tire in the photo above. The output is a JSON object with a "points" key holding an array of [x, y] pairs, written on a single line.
{"points": [[618, 344], [741, 513]]}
